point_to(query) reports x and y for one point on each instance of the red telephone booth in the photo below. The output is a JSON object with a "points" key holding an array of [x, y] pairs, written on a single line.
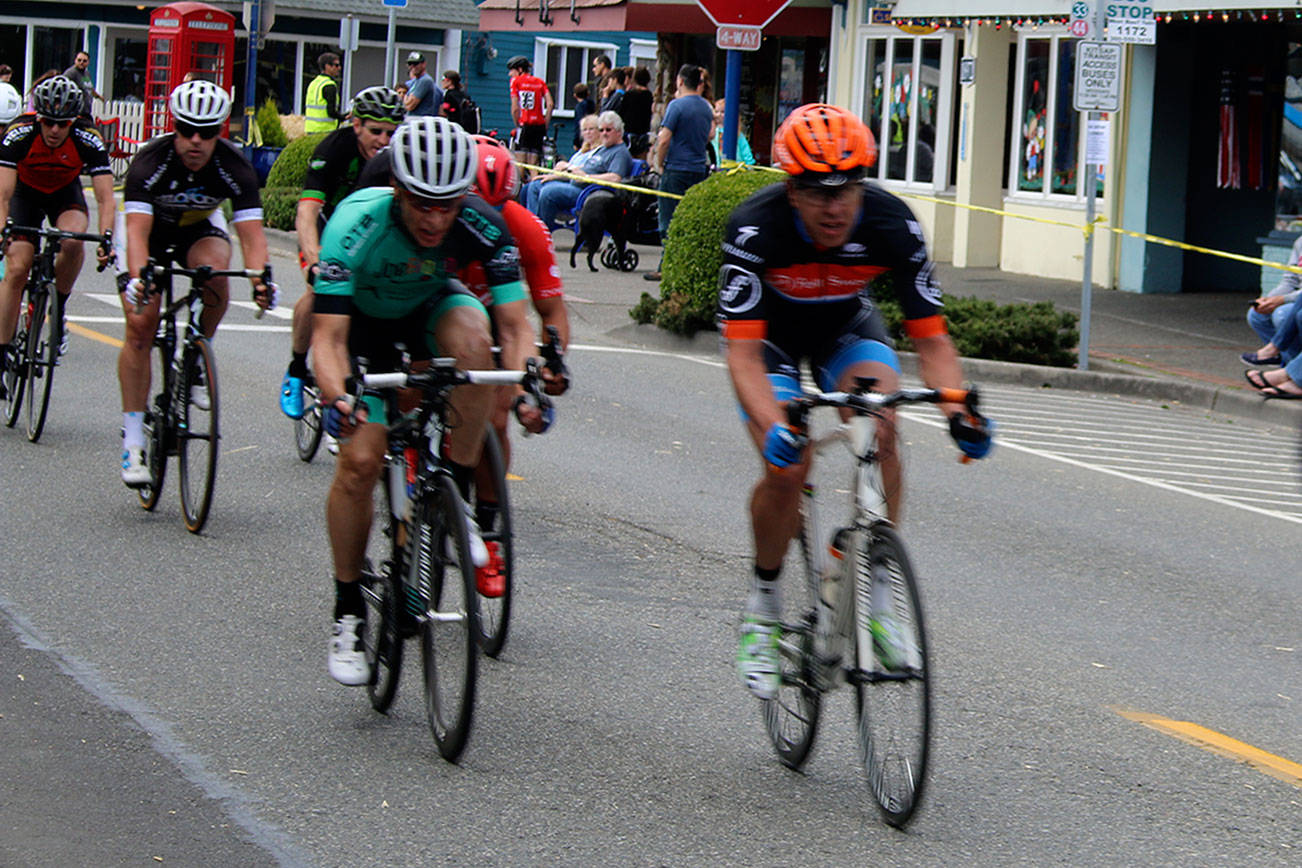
{"points": [[185, 38]]}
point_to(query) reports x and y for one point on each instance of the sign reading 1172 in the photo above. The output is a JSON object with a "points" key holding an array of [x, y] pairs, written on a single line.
{"points": [[1131, 21]]}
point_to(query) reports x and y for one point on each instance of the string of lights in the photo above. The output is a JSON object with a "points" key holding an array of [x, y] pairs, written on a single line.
{"points": [[1035, 21]]}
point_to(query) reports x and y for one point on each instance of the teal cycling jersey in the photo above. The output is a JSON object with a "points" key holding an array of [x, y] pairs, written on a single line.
{"points": [[370, 263]]}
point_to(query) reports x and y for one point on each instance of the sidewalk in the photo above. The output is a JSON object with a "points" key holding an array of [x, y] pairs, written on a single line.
{"points": [[1178, 347]]}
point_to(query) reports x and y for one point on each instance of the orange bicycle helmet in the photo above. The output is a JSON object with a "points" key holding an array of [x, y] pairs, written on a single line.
{"points": [[496, 178], [824, 145]]}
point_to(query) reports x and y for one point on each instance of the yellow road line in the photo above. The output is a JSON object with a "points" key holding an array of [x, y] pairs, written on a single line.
{"points": [[1219, 743], [94, 335]]}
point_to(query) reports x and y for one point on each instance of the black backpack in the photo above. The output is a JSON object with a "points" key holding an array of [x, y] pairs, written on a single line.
{"points": [[469, 115]]}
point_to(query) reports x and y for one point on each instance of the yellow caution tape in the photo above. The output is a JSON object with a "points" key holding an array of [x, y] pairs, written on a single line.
{"points": [[587, 179]]}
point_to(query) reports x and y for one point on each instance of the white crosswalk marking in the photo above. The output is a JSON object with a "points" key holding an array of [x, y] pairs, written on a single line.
{"points": [[282, 313]]}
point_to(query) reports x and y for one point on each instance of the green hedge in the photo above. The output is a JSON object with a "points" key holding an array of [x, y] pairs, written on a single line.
{"points": [[279, 205], [689, 289], [290, 169], [1027, 333]]}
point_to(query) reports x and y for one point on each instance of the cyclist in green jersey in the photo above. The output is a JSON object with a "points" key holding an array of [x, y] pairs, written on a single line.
{"points": [[386, 277]]}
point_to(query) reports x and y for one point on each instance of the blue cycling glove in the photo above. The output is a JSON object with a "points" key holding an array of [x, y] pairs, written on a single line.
{"points": [[973, 433], [333, 420], [782, 445]]}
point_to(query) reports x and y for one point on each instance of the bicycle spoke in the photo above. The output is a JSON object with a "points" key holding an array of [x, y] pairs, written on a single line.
{"points": [[197, 437]]}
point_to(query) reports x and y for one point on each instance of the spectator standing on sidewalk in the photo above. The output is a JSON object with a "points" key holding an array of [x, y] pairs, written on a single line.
{"points": [[680, 150], [80, 73], [423, 95], [583, 106], [636, 108], [321, 105]]}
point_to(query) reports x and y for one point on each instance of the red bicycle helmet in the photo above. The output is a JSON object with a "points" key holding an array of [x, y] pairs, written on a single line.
{"points": [[824, 145], [496, 178]]}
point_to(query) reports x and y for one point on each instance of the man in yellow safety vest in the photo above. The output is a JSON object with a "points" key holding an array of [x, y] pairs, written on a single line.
{"points": [[322, 104]]}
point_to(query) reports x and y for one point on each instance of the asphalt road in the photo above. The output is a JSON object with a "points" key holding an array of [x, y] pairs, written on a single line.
{"points": [[151, 671]]}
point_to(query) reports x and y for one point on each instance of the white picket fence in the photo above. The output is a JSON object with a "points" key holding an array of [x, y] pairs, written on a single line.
{"points": [[130, 115]]}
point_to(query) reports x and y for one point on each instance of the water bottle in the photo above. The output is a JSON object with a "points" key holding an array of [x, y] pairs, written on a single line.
{"points": [[398, 498]]}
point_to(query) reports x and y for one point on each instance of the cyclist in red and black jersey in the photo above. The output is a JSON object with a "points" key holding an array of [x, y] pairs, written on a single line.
{"points": [[799, 258], [42, 159], [531, 109], [172, 200]]}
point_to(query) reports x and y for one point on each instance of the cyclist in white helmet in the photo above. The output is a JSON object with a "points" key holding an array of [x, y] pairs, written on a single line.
{"points": [[172, 211], [386, 277]]}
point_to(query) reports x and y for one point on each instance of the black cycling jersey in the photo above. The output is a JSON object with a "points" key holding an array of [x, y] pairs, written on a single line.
{"points": [[775, 284], [378, 171], [333, 169], [47, 169], [160, 185]]}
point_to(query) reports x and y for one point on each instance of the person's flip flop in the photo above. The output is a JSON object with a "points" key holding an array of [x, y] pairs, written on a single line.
{"points": [[1279, 394], [1257, 380]]}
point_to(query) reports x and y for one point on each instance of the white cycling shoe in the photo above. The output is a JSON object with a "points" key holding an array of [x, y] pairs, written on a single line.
{"points": [[346, 662]]}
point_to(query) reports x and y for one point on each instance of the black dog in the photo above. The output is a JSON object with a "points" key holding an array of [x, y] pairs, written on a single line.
{"points": [[603, 211]]}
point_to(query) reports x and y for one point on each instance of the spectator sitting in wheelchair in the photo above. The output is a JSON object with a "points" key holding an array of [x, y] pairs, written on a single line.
{"points": [[610, 161]]}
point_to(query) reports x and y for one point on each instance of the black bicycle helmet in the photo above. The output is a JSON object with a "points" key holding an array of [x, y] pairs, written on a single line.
{"points": [[379, 103], [520, 62], [58, 98]]}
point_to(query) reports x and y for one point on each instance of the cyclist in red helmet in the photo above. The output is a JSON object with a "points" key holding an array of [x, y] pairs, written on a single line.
{"points": [[799, 257]]}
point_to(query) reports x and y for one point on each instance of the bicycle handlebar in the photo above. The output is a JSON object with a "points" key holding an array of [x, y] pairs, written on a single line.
{"points": [[54, 234], [864, 402], [197, 276]]}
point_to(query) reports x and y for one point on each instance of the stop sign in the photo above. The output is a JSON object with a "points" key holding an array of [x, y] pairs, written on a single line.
{"points": [[754, 13]]}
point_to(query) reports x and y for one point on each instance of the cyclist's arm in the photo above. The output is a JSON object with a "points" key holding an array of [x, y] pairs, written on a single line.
{"points": [[552, 313], [751, 382], [8, 179], [330, 361], [309, 240], [138, 229], [105, 203], [515, 335], [548, 105], [939, 366], [253, 243]]}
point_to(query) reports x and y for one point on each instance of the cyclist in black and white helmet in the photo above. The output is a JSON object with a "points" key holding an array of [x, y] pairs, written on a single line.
{"points": [[332, 174], [172, 210], [389, 260]]}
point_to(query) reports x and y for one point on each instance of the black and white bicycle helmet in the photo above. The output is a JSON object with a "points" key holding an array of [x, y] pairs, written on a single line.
{"points": [[379, 103], [433, 157], [200, 103], [11, 104], [58, 98]]}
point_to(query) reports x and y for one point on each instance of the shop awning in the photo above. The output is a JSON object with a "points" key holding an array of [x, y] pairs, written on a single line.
{"points": [[801, 18]]}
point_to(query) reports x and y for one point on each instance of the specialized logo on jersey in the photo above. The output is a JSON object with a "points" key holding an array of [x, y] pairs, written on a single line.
{"points": [[739, 289], [744, 234], [854, 248], [317, 164]]}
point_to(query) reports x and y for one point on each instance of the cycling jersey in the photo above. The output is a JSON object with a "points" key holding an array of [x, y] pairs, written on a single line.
{"points": [[776, 285], [528, 92], [371, 263], [158, 184], [333, 170], [47, 169], [537, 257]]}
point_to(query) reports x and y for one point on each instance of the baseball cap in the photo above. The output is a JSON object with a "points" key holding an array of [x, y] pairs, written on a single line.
{"points": [[415, 57]]}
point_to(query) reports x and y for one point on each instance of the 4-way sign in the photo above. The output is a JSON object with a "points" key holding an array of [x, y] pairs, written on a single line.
{"points": [[740, 23]]}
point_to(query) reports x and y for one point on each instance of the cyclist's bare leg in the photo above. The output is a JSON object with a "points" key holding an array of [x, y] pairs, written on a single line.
{"points": [[462, 332], [216, 252], [888, 456], [133, 359], [774, 506], [18, 261], [300, 327], [348, 506], [532, 158], [67, 264]]}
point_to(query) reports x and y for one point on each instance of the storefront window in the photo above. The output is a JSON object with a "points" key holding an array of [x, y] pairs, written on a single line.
{"points": [[1050, 131], [567, 64], [1288, 203], [903, 96], [129, 69], [900, 107], [53, 48]]}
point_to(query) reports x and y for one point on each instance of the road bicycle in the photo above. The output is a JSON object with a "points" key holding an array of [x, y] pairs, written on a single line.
{"points": [[307, 428], [34, 351], [857, 573], [183, 419], [426, 583]]}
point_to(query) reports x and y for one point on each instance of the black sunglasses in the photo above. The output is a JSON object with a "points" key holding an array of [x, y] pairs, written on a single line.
{"points": [[55, 125], [186, 131]]}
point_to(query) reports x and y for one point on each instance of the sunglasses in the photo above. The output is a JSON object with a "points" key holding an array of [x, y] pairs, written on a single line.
{"points": [[51, 124], [426, 206], [379, 131], [186, 131]]}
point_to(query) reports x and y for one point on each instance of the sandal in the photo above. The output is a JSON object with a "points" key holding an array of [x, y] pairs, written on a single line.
{"points": [[1257, 380], [1280, 394]]}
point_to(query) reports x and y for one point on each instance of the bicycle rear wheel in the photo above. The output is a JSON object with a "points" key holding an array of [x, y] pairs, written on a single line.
{"points": [[307, 428], [441, 562], [157, 434], [893, 704], [15, 375], [495, 612], [42, 353], [791, 718], [198, 434]]}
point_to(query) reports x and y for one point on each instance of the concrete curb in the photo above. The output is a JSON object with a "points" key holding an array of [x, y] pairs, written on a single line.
{"points": [[1107, 380]]}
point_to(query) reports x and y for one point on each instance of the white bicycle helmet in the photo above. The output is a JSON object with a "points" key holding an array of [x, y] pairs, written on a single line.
{"points": [[378, 103], [57, 98], [11, 103], [200, 104], [434, 157]]}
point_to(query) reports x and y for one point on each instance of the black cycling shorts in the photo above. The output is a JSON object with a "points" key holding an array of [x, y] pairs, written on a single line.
{"points": [[531, 138], [29, 206]]}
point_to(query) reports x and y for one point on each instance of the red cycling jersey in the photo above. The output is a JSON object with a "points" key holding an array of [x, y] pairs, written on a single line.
{"points": [[47, 169], [528, 93], [537, 257]]}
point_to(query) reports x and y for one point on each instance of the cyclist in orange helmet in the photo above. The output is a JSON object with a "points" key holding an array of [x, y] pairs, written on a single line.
{"points": [[799, 257]]}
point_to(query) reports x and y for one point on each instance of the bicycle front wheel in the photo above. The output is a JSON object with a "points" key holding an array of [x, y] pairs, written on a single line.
{"points": [[495, 612], [157, 433], [197, 433], [892, 686], [15, 375], [307, 428], [450, 633], [42, 353]]}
